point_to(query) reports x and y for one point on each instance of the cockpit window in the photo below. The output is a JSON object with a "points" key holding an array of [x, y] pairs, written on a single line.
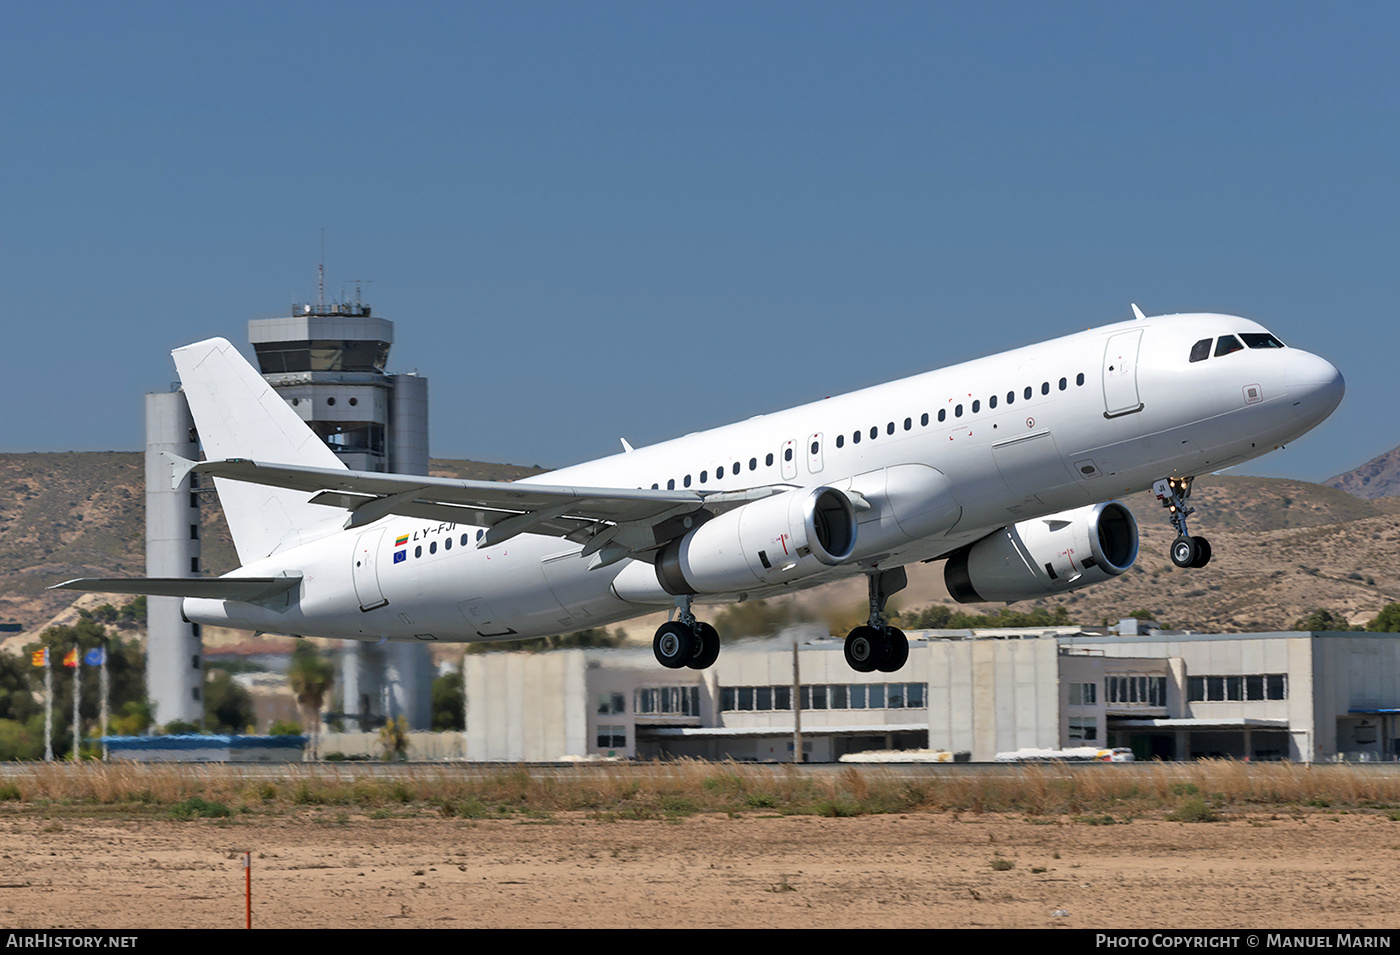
{"points": [[1260, 340], [1201, 350], [1226, 344]]}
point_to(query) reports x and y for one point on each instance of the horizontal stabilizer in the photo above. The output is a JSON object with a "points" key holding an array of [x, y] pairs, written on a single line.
{"points": [[247, 589]]}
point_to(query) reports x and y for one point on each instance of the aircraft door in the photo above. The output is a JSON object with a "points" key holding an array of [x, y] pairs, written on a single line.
{"points": [[1120, 360], [814, 454], [788, 458], [365, 573]]}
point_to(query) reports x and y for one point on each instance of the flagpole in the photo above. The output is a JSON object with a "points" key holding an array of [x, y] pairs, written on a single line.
{"points": [[103, 683], [48, 706], [77, 694]]}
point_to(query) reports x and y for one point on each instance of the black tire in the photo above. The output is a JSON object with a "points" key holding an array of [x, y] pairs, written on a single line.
{"points": [[673, 645], [899, 651], [1185, 551], [706, 647], [1202, 552], [866, 648]]}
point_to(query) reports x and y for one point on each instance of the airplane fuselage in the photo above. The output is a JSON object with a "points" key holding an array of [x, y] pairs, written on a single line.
{"points": [[933, 462]]}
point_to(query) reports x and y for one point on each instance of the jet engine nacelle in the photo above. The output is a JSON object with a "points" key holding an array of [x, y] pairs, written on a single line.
{"points": [[1048, 555], [771, 541]]}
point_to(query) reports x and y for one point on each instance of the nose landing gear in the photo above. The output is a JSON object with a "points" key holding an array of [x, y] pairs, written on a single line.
{"points": [[877, 645], [1186, 551]]}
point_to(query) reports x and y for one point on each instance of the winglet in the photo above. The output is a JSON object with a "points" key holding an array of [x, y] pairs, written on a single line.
{"points": [[1138, 312], [625, 446]]}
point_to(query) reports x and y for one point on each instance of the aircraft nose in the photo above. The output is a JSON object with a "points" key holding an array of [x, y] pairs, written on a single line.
{"points": [[1315, 383]]}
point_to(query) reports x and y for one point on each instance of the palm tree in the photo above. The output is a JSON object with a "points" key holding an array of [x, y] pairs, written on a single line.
{"points": [[311, 677]]}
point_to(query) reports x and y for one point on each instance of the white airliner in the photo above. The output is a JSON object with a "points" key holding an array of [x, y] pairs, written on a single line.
{"points": [[1004, 466]]}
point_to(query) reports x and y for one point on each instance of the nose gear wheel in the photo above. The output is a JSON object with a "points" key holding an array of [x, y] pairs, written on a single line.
{"points": [[1186, 551]]}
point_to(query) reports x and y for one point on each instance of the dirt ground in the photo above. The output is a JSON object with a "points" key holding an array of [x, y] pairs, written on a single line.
{"points": [[328, 870]]}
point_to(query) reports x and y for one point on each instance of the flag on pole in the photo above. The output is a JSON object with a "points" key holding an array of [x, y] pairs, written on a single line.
{"points": [[94, 657], [41, 657], [71, 659]]}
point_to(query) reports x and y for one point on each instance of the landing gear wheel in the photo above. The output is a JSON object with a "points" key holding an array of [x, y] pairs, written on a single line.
{"points": [[899, 650], [866, 649], [1185, 551], [1202, 552], [706, 647], [673, 645]]}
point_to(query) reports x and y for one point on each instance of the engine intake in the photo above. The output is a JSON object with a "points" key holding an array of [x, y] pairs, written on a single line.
{"points": [[772, 541], [1048, 555]]}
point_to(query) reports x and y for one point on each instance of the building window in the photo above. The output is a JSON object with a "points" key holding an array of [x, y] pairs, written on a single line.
{"points": [[1136, 690], [612, 737], [611, 703], [666, 701], [1246, 689], [1084, 728], [850, 696], [1083, 694]]}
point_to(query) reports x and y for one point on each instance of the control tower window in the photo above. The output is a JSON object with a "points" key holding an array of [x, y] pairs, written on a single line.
{"points": [[322, 355]]}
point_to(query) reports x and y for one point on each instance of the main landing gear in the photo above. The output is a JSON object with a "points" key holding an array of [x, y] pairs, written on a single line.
{"points": [[877, 645], [685, 641], [1186, 551]]}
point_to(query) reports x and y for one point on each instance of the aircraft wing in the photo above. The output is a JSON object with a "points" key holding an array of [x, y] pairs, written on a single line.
{"points": [[631, 520], [219, 588]]}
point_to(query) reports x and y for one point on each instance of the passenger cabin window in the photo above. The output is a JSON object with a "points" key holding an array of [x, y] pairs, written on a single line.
{"points": [[1260, 340], [1201, 350], [1226, 344]]}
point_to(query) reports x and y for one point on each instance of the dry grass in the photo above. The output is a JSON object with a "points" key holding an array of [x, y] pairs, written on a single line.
{"points": [[676, 789]]}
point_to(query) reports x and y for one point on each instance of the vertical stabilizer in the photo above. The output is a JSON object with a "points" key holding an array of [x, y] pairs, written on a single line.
{"points": [[239, 415]]}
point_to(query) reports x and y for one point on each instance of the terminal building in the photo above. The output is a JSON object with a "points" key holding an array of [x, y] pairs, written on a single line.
{"points": [[1172, 696]]}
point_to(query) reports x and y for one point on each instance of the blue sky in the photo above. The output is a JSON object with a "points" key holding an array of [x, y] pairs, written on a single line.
{"points": [[593, 220]]}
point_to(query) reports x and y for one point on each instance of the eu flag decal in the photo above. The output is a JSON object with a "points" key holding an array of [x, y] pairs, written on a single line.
{"points": [[400, 556]]}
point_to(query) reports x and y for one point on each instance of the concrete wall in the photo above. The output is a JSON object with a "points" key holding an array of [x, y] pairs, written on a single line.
{"points": [[524, 706]]}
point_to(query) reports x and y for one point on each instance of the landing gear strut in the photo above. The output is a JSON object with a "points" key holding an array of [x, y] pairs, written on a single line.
{"points": [[685, 641], [1186, 551], [877, 645]]}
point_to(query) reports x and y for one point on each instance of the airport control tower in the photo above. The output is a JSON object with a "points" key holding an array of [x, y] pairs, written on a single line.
{"points": [[327, 360]]}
